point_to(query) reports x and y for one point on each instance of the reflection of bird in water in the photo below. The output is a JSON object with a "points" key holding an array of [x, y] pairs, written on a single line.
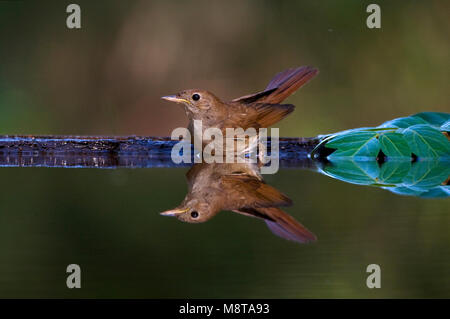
{"points": [[241, 189], [259, 110]]}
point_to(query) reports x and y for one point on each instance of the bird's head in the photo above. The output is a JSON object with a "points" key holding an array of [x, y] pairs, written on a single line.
{"points": [[196, 101], [192, 211]]}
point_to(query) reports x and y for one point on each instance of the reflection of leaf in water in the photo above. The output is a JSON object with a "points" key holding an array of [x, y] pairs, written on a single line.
{"points": [[393, 172], [355, 172], [354, 145], [427, 174], [422, 178], [394, 145], [354, 155], [426, 141]]}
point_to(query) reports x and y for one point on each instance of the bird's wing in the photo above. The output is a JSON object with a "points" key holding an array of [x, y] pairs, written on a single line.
{"points": [[280, 223], [256, 115], [281, 86], [249, 191]]}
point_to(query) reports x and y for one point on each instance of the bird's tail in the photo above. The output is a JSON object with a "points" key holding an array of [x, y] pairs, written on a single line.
{"points": [[281, 86], [286, 226], [287, 82]]}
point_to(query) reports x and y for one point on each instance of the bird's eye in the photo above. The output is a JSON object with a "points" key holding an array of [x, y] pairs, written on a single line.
{"points": [[196, 97], [194, 214]]}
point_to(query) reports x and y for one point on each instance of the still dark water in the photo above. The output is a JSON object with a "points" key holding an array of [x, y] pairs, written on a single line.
{"points": [[108, 222]]}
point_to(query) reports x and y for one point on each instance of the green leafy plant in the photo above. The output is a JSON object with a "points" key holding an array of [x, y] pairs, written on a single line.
{"points": [[409, 155]]}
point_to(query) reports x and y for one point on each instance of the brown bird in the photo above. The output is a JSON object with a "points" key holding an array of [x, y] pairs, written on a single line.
{"points": [[241, 189], [259, 110]]}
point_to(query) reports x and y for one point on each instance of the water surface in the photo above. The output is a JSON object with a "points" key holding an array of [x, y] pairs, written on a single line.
{"points": [[107, 221]]}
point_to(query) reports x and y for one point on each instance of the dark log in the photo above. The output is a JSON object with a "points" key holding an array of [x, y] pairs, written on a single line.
{"points": [[115, 152]]}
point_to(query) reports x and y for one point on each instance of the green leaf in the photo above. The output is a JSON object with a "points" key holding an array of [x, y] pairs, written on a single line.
{"points": [[404, 122], [355, 172], [426, 141], [403, 190], [393, 172], [356, 145], [394, 145], [354, 157], [427, 174], [437, 192], [433, 118], [445, 127], [420, 178]]}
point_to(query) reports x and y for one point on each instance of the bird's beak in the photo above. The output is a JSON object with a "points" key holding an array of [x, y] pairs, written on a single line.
{"points": [[174, 98], [174, 212]]}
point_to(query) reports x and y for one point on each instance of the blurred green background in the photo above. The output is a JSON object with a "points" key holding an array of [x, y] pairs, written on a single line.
{"points": [[106, 79]]}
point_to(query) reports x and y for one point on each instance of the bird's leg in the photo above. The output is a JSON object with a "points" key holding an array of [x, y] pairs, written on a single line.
{"points": [[262, 150]]}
